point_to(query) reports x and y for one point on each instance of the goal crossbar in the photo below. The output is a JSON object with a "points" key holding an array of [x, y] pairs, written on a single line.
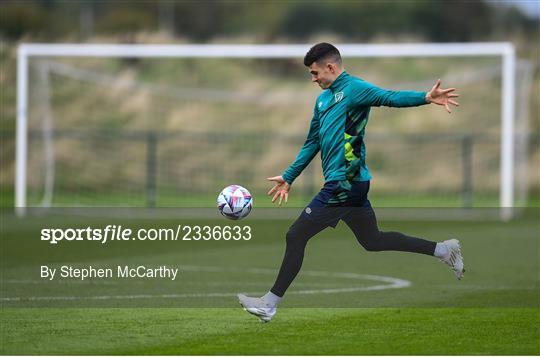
{"points": [[503, 49]]}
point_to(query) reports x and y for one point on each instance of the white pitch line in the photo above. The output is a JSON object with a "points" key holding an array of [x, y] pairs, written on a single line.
{"points": [[390, 283]]}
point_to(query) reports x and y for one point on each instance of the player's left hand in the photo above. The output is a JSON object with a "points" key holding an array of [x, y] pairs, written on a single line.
{"points": [[442, 96]]}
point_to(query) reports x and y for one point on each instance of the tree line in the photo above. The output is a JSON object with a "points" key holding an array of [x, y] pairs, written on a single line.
{"points": [[267, 21]]}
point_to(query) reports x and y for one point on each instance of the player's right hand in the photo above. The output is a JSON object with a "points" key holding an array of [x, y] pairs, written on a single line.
{"points": [[280, 189]]}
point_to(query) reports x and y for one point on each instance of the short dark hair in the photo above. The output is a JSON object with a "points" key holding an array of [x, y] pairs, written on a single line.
{"points": [[322, 51]]}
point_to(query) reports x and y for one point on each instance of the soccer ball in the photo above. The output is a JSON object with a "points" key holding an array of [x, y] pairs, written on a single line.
{"points": [[234, 202]]}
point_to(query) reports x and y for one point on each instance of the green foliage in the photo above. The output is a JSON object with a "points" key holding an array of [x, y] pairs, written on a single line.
{"points": [[126, 18], [203, 20], [20, 18], [361, 21]]}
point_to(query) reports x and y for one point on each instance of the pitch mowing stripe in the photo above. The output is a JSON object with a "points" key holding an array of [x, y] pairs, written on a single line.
{"points": [[390, 283]]}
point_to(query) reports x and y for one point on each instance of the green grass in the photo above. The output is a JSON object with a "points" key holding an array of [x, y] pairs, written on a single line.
{"points": [[495, 309], [295, 331]]}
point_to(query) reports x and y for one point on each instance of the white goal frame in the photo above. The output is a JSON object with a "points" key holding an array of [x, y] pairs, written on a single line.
{"points": [[503, 49]]}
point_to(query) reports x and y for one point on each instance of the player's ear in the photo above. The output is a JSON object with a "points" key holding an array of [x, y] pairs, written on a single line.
{"points": [[331, 67]]}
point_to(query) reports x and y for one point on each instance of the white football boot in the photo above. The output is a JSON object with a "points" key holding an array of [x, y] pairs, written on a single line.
{"points": [[454, 258], [257, 307]]}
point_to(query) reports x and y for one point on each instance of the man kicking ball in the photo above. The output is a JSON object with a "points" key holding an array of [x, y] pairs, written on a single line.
{"points": [[337, 130]]}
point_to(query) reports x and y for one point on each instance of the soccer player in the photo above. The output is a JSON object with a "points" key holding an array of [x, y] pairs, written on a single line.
{"points": [[337, 130]]}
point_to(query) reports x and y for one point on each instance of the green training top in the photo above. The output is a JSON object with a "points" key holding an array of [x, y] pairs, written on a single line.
{"points": [[338, 126]]}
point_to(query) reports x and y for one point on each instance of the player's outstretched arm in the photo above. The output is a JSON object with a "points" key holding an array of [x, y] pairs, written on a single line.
{"points": [[281, 189], [442, 96]]}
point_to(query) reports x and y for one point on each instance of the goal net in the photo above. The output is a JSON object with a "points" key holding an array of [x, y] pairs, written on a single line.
{"points": [[170, 126]]}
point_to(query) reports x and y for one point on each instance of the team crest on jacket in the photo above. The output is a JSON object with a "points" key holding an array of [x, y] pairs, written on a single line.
{"points": [[338, 96]]}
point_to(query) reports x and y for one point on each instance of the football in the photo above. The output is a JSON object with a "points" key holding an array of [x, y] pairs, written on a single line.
{"points": [[234, 202]]}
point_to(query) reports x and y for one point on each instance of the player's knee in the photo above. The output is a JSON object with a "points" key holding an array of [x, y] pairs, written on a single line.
{"points": [[292, 236], [372, 242], [373, 247], [294, 239]]}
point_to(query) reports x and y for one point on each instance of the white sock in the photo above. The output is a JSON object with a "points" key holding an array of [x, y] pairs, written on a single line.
{"points": [[271, 299], [441, 250]]}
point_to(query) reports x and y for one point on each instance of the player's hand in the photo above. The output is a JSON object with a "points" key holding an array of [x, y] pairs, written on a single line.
{"points": [[280, 189], [442, 96]]}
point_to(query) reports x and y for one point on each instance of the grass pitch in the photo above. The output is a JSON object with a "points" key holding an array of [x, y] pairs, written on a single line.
{"points": [[494, 310], [436, 331]]}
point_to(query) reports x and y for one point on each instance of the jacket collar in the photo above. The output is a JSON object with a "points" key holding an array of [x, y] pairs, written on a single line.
{"points": [[339, 82]]}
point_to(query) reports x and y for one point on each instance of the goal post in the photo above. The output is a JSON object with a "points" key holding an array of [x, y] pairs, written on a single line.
{"points": [[504, 50]]}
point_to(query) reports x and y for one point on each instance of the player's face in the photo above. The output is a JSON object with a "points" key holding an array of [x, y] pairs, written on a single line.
{"points": [[323, 75]]}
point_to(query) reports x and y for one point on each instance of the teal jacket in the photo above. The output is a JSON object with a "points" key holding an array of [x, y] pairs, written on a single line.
{"points": [[338, 126]]}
